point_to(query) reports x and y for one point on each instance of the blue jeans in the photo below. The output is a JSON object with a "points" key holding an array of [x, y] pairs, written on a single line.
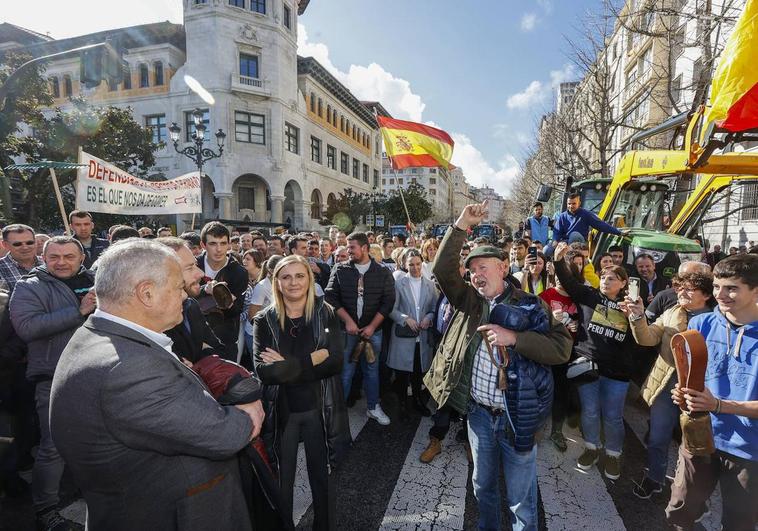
{"points": [[603, 400], [664, 415], [370, 370], [491, 446]]}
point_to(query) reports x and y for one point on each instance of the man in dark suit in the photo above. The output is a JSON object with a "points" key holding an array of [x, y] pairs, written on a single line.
{"points": [[193, 337], [145, 441], [650, 282]]}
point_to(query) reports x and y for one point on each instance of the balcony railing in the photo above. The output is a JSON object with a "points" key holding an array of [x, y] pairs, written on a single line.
{"points": [[249, 84]]}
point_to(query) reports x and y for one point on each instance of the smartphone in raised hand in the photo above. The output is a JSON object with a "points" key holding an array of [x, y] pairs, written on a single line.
{"points": [[634, 288]]}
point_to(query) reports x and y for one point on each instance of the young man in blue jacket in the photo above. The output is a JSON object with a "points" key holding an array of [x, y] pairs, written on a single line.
{"points": [[577, 219], [731, 396]]}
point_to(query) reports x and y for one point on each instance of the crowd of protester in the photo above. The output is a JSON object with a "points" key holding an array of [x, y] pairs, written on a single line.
{"points": [[507, 335]]}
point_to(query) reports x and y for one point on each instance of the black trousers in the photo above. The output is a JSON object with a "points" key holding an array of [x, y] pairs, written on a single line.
{"points": [[403, 377], [308, 428], [561, 395]]}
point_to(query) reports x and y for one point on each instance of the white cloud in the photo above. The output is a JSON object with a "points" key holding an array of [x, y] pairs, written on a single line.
{"points": [[371, 82], [528, 21], [546, 5], [567, 73], [374, 82], [537, 91], [531, 95], [478, 171]]}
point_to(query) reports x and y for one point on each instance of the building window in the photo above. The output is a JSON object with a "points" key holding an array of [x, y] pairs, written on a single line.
{"points": [[159, 73], [334, 117], [750, 197], [316, 149], [432, 180], [144, 76], [237, 3], [356, 169], [249, 65], [399, 180], [127, 79], [320, 108], [344, 163], [287, 16], [432, 170], [189, 125], [342, 124], [384, 182], [433, 191], [250, 128], [67, 88], [157, 125], [246, 197], [353, 131], [365, 173], [392, 181], [55, 87], [292, 138], [331, 157], [329, 113], [259, 6], [313, 102], [347, 127], [414, 170], [376, 179]]}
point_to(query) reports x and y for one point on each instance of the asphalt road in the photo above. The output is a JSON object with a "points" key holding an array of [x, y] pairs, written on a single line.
{"points": [[381, 484]]}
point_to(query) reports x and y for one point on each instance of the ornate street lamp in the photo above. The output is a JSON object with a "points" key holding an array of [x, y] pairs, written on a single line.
{"points": [[197, 153]]}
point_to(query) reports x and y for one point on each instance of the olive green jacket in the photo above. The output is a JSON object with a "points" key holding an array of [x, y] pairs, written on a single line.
{"points": [[449, 378]]}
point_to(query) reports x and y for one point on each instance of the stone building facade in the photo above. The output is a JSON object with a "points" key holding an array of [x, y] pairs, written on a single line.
{"points": [[295, 136]]}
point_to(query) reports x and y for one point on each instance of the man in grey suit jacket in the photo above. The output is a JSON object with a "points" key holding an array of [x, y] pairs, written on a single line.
{"points": [[145, 441]]}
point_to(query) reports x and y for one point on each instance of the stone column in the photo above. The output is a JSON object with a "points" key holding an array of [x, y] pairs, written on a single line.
{"points": [[277, 208], [302, 215], [225, 205]]}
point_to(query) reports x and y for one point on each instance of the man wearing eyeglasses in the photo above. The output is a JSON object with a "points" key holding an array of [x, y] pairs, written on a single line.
{"points": [[18, 241]]}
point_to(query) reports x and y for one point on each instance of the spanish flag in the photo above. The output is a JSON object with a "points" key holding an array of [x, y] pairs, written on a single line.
{"points": [[411, 144], [734, 92]]}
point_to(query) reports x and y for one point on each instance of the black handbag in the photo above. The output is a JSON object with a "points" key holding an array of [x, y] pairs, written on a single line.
{"points": [[405, 331]]}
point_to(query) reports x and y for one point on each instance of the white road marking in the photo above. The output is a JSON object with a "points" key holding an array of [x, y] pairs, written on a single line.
{"points": [[572, 498], [430, 496], [637, 416]]}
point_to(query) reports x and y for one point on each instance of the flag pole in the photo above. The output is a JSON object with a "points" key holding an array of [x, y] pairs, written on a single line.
{"points": [[59, 197]]}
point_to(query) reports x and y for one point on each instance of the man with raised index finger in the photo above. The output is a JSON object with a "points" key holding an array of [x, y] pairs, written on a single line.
{"points": [[464, 376]]}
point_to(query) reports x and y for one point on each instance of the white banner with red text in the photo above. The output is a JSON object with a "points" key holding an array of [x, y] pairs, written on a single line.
{"points": [[102, 187]]}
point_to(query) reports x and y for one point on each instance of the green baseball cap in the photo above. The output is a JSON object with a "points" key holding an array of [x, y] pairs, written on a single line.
{"points": [[484, 251]]}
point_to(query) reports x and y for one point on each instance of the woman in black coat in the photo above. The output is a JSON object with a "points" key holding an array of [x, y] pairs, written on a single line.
{"points": [[297, 352]]}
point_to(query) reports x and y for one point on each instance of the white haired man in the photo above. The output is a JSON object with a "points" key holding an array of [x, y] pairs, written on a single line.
{"points": [[145, 441]]}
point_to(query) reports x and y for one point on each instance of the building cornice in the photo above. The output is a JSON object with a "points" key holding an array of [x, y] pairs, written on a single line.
{"points": [[310, 67]]}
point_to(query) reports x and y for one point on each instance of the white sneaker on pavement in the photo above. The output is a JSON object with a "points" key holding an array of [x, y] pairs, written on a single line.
{"points": [[378, 415]]}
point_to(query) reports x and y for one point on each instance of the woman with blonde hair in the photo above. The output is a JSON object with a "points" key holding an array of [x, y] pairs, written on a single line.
{"points": [[300, 362], [428, 253]]}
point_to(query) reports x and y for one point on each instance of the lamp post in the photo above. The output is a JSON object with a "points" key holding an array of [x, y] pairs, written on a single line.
{"points": [[374, 195], [197, 153]]}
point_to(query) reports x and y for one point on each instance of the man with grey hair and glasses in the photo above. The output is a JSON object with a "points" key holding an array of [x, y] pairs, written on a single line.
{"points": [[144, 439], [46, 308]]}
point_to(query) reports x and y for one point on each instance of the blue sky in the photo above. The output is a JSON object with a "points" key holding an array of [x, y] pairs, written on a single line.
{"points": [[483, 70]]}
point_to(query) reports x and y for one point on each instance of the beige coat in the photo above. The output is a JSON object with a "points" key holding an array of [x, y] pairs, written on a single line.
{"points": [[659, 334]]}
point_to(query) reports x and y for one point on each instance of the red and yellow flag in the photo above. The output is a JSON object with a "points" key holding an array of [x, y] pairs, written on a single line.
{"points": [[734, 93], [410, 144]]}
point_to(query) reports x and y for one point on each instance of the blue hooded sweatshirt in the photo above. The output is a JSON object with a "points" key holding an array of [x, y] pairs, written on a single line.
{"points": [[732, 374]]}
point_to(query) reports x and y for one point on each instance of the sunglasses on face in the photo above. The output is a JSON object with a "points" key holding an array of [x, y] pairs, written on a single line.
{"points": [[27, 243]]}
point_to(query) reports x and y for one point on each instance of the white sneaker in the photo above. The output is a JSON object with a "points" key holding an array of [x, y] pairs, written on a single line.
{"points": [[378, 415]]}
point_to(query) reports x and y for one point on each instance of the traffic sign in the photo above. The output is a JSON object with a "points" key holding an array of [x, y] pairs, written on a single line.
{"points": [[379, 221], [369, 219]]}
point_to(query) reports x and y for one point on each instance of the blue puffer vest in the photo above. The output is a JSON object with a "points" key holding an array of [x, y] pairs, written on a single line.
{"points": [[529, 395]]}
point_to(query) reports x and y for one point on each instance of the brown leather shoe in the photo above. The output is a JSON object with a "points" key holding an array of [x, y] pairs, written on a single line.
{"points": [[432, 451], [357, 351]]}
